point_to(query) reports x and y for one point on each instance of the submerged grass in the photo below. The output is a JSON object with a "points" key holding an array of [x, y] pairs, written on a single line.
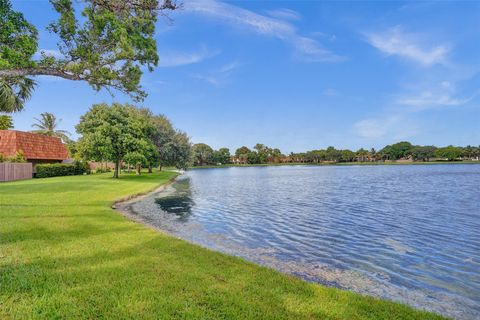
{"points": [[65, 254]]}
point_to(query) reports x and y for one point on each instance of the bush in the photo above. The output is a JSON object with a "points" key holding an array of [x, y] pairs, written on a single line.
{"points": [[61, 169], [19, 157], [103, 170]]}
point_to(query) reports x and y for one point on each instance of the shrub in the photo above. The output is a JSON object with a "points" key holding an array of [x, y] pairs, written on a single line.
{"points": [[19, 157], [103, 170], [61, 169]]}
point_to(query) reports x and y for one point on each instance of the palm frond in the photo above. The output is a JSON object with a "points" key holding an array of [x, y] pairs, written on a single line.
{"points": [[14, 92]]}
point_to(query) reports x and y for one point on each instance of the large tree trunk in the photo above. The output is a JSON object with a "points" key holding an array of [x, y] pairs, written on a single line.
{"points": [[160, 168], [150, 170], [139, 169], [117, 166]]}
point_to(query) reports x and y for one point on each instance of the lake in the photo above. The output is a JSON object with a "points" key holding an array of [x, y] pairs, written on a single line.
{"points": [[408, 233]]}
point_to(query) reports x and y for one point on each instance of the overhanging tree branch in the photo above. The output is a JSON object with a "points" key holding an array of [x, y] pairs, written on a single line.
{"points": [[23, 72], [108, 47]]}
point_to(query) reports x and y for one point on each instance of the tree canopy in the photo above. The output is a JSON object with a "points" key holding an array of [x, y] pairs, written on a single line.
{"points": [[113, 133], [397, 150], [202, 154], [449, 153], [173, 146], [221, 155], [106, 43], [179, 151]]}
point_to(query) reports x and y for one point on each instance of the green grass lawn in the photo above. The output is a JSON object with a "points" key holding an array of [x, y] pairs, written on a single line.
{"points": [[65, 254]]}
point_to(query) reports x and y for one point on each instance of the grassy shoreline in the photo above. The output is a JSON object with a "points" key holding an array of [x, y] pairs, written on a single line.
{"points": [[336, 164], [65, 253]]}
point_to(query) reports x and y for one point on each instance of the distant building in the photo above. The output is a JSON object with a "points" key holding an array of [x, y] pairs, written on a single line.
{"points": [[37, 148]]}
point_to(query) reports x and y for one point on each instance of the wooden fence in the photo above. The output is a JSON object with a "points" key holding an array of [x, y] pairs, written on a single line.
{"points": [[15, 171]]}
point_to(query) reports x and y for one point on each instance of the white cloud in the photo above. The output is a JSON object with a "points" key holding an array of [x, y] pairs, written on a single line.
{"points": [[207, 78], [175, 59], [428, 99], [442, 95], [410, 46], [394, 127], [263, 25], [312, 51], [218, 76], [371, 128], [319, 34], [229, 67], [284, 13]]}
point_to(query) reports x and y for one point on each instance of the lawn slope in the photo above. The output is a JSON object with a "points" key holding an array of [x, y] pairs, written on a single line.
{"points": [[65, 254]]}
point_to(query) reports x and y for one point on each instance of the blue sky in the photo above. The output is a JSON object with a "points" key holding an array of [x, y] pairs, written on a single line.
{"points": [[299, 75]]}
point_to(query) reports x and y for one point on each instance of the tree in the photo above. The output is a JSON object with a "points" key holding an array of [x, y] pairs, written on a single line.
{"points": [[476, 152], [162, 138], [423, 153], [137, 159], [72, 147], [253, 158], [222, 156], [241, 151], [262, 153], [398, 150], [18, 43], [316, 156], [450, 153], [6, 122], [47, 125], [202, 154], [333, 154], [347, 155], [362, 155], [275, 155], [105, 43], [172, 147], [181, 150], [470, 152], [14, 92], [242, 154], [109, 133]]}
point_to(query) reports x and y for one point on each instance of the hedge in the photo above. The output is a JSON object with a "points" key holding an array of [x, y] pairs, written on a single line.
{"points": [[61, 169]]}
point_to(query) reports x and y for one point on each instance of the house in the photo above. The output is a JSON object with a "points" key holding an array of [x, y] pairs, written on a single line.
{"points": [[36, 148]]}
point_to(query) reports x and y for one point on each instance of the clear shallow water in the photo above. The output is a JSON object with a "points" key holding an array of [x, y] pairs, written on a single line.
{"points": [[404, 233]]}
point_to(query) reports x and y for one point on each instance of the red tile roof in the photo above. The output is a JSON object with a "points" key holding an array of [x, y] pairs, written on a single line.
{"points": [[34, 146]]}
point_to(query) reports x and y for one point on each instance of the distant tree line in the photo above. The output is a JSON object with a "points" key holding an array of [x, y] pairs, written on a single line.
{"points": [[203, 154]]}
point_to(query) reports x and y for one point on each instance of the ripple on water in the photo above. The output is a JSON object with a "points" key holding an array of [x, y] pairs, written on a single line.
{"points": [[404, 233]]}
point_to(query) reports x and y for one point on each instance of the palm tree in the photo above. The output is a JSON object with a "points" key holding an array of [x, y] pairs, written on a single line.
{"points": [[14, 92], [47, 125], [5, 122]]}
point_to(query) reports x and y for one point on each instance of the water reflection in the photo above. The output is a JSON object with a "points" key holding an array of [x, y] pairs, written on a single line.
{"points": [[180, 203]]}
